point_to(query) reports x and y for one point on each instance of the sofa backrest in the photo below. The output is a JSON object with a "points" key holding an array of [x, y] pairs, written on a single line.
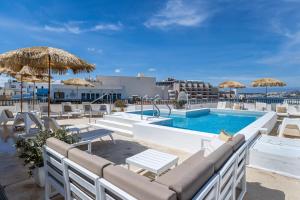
{"points": [[136, 185], [237, 141], [94, 164], [187, 178], [58, 146]]}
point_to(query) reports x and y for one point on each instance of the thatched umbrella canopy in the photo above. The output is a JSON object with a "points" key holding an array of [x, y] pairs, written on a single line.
{"points": [[268, 82], [44, 59], [33, 79], [24, 72], [230, 85], [78, 82]]}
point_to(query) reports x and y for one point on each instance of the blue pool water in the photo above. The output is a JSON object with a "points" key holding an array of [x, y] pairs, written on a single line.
{"points": [[210, 122]]}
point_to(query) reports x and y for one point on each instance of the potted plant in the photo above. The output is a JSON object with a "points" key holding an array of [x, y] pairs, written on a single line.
{"points": [[179, 104], [31, 151], [120, 105]]}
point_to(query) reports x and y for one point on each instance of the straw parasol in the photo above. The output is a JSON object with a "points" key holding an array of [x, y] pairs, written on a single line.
{"points": [[268, 82], [230, 85], [78, 82], [44, 60], [33, 79], [24, 72]]}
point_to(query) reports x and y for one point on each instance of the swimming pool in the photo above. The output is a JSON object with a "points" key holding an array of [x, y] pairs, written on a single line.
{"points": [[207, 121]]}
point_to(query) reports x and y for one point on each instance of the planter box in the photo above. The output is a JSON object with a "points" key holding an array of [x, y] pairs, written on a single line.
{"points": [[39, 176]]}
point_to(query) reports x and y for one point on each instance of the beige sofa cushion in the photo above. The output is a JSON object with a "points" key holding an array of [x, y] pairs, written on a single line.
{"points": [[92, 163], [281, 109], [58, 146], [237, 141], [137, 185], [220, 156], [187, 178]]}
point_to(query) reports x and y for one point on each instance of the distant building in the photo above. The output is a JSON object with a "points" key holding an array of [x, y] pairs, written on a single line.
{"points": [[114, 87], [195, 89]]}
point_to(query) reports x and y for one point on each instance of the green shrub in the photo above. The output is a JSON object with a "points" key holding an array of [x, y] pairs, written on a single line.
{"points": [[120, 104], [179, 104], [31, 149]]}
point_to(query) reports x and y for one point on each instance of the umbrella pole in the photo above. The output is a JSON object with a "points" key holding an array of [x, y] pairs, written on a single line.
{"points": [[21, 93], [49, 72], [77, 97], [33, 95]]}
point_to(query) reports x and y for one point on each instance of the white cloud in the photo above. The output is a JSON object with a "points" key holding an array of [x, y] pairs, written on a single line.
{"points": [[151, 69], [77, 27], [180, 13], [118, 70], [107, 27], [94, 50]]}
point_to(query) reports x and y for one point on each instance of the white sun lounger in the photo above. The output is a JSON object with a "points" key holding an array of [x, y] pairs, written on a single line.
{"points": [[289, 127], [6, 116], [293, 110]]}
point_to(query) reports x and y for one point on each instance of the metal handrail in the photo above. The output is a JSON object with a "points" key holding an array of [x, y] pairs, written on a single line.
{"points": [[169, 109], [106, 94], [158, 110]]}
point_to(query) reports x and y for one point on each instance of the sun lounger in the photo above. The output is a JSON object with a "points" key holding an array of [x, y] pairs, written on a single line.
{"points": [[103, 109], [282, 111], [69, 111], [294, 110], [260, 106], [44, 111], [6, 116], [222, 105], [289, 128], [85, 138], [32, 131], [89, 110], [237, 106]]}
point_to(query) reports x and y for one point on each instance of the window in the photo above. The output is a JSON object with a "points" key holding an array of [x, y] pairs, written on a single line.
{"points": [[88, 96], [97, 95], [93, 96], [83, 96]]}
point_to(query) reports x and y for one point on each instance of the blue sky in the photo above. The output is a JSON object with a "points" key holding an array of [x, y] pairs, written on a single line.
{"points": [[210, 40]]}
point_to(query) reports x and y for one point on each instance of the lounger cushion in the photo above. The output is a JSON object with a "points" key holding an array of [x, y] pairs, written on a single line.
{"points": [[281, 109], [237, 141], [188, 178], [58, 146], [67, 108], [8, 113], [220, 156], [291, 131], [137, 185], [93, 163]]}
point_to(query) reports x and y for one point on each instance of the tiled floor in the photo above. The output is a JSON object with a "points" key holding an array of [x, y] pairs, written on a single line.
{"points": [[261, 185]]}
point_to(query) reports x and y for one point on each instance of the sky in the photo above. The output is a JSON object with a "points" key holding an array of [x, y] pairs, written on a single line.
{"points": [[209, 40]]}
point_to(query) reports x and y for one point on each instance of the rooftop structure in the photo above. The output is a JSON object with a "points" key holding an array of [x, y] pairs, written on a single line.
{"points": [[194, 88]]}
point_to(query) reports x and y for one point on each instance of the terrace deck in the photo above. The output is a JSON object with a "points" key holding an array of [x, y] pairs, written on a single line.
{"points": [[13, 175]]}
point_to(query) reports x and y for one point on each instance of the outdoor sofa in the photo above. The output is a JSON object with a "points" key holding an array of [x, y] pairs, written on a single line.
{"points": [[79, 175]]}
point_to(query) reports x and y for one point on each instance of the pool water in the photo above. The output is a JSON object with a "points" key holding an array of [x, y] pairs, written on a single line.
{"points": [[209, 122]]}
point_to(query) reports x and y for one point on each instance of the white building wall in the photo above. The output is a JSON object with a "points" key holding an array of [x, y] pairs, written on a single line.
{"points": [[140, 86]]}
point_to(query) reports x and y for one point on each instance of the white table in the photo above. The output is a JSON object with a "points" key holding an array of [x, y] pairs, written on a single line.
{"points": [[154, 161]]}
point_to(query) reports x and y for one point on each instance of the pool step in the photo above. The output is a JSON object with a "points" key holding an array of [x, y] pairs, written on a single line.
{"points": [[117, 130], [114, 126]]}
